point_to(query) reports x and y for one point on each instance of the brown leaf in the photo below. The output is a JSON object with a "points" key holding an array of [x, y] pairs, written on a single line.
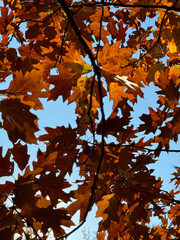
{"points": [[48, 185], [63, 83], [6, 167], [18, 121], [5, 233], [62, 146], [8, 220], [108, 209], [6, 188], [20, 155], [82, 194], [53, 218]]}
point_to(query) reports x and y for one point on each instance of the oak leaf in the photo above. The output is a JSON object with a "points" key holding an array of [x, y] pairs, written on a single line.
{"points": [[20, 155], [108, 209], [63, 83], [6, 188], [31, 82], [79, 90], [8, 220], [6, 166], [82, 196], [113, 59], [49, 184], [117, 93], [18, 121], [74, 60]]}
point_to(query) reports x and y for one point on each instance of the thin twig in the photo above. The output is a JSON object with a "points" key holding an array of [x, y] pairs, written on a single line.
{"points": [[138, 147], [28, 223], [100, 32], [22, 217], [91, 94], [63, 39]]}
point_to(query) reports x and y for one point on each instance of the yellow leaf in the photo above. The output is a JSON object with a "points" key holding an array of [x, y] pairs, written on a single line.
{"points": [[49, 12], [86, 68], [172, 46], [80, 67], [95, 103], [79, 89], [174, 73]]}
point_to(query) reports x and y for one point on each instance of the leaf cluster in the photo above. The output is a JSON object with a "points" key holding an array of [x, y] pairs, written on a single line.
{"points": [[99, 49]]}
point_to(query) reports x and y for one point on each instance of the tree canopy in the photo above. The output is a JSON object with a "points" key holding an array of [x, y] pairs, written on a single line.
{"points": [[99, 49]]}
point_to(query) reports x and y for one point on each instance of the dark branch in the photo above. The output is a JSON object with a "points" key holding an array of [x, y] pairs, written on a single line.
{"points": [[140, 6], [138, 147], [98, 75]]}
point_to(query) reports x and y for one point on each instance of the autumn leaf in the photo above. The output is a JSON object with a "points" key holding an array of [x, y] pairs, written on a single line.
{"points": [[82, 195], [113, 59], [49, 184], [76, 63], [46, 50], [54, 218], [104, 210], [19, 122], [6, 188], [20, 155], [117, 93], [63, 83], [8, 220], [174, 73], [172, 46], [89, 53], [7, 167], [153, 70], [79, 90], [31, 82]]}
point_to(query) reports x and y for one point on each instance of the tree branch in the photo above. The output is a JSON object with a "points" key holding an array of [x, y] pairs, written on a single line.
{"points": [[140, 6], [98, 75]]}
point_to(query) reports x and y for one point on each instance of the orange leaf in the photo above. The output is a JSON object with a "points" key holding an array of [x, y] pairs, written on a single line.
{"points": [[30, 82], [116, 93]]}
